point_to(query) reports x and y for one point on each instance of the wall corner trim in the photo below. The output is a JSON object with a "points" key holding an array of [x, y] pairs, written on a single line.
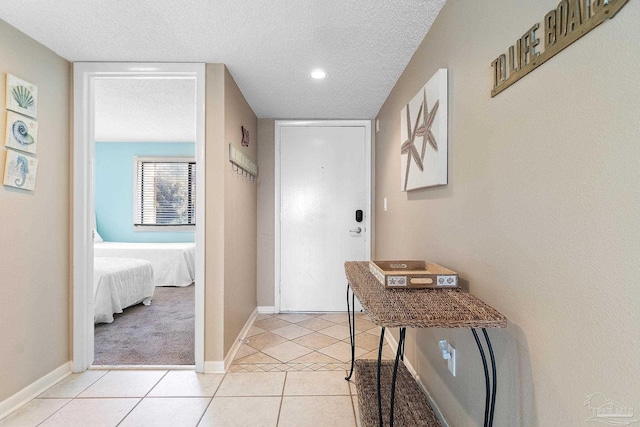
{"points": [[266, 309], [12, 403]]}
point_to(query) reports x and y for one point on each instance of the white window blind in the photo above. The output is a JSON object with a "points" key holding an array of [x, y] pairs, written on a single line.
{"points": [[165, 193]]}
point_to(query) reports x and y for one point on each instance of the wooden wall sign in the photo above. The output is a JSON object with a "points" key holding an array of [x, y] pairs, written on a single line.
{"points": [[245, 136], [569, 21]]}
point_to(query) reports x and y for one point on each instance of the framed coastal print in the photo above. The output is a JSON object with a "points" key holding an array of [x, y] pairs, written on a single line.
{"points": [[20, 170], [22, 133], [22, 96]]}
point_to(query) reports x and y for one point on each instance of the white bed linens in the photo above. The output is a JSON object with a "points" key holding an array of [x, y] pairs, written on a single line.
{"points": [[118, 284], [173, 263]]}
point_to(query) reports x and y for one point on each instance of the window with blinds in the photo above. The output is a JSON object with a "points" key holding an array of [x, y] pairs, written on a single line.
{"points": [[165, 192]]}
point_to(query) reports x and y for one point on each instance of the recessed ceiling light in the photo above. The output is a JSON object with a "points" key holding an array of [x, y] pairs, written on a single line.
{"points": [[318, 74]]}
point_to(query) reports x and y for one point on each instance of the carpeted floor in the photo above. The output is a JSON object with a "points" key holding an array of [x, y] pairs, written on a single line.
{"points": [[159, 334]]}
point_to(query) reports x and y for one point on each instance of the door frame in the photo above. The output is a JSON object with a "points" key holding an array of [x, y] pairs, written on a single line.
{"points": [[84, 75], [279, 124]]}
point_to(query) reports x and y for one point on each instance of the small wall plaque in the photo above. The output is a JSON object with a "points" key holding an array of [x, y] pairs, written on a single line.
{"points": [[20, 170], [22, 96], [22, 133], [245, 137]]}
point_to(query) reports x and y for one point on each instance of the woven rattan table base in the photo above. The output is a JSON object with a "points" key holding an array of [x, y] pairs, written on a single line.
{"points": [[411, 406]]}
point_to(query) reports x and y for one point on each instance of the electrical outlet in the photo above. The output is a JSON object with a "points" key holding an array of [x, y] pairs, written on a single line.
{"points": [[451, 362]]}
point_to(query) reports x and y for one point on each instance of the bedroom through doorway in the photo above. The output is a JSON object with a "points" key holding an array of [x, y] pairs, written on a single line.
{"points": [[144, 141], [144, 200]]}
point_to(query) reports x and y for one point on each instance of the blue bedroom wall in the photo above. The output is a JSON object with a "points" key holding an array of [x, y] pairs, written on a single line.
{"points": [[113, 172]]}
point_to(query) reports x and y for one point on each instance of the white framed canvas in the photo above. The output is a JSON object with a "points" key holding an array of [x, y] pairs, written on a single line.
{"points": [[22, 133], [20, 170], [22, 96], [423, 136]]}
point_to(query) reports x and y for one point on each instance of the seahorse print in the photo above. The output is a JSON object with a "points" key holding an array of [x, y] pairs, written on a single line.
{"points": [[23, 168]]}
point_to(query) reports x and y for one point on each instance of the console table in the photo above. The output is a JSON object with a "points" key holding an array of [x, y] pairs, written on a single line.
{"points": [[412, 308]]}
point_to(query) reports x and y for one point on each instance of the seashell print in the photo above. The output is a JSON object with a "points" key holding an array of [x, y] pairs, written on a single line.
{"points": [[22, 96], [21, 133]]}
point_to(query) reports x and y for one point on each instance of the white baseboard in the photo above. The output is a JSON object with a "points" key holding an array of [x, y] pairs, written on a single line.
{"points": [[217, 367], [142, 367], [213, 367], [238, 342], [266, 309], [393, 344], [34, 389]]}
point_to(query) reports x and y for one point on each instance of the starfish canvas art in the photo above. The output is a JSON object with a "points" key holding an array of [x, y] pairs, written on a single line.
{"points": [[423, 136]]}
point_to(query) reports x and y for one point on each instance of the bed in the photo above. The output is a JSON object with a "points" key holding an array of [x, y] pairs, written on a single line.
{"points": [[173, 263], [120, 283]]}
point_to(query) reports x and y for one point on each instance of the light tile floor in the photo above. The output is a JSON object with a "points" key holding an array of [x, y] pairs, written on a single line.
{"points": [[306, 342], [288, 372]]}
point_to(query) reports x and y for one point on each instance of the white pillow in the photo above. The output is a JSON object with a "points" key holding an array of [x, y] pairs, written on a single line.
{"points": [[96, 237]]}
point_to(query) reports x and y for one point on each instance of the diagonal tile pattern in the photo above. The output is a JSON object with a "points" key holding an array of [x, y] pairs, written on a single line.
{"points": [[315, 341], [292, 331], [264, 340], [287, 351], [306, 342], [315, 324], [271, 323]]}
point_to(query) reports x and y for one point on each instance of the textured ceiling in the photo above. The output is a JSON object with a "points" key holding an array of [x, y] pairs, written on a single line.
{"points": [[145, 110], [270, 47]]}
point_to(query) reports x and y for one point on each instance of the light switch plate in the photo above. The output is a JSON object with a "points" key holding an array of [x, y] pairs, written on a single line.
{"points": [[451, 362]]}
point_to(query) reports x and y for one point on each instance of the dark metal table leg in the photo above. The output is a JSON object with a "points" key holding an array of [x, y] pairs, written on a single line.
{"points": [[399, 355], [351, 314], [486, 378], [494, 374], [378, 380]]}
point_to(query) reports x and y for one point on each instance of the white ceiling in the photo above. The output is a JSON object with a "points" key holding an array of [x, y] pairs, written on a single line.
{"points": [[270, 47], [145, 110]]}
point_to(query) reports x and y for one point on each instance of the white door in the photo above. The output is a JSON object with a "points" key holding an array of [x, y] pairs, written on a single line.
{"points": [[324, 180]]}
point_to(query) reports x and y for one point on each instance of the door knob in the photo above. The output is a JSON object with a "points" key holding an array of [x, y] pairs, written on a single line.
{"points": [[357, 230]]}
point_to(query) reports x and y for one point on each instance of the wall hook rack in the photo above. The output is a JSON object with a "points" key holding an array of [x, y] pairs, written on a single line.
{"points": [[242, 165]]}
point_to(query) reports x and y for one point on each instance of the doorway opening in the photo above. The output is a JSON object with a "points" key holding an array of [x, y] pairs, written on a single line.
{"points": [[138, 165]]}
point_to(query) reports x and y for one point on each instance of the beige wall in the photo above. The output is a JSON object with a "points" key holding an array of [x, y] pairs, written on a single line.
{"points": [[215, 155], [540, 216], [34, 225], [240, 206], [266, 213], [230, 253]]}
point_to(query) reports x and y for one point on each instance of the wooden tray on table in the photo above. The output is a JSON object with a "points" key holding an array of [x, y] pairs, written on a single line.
{"points": [[413, 275]]}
